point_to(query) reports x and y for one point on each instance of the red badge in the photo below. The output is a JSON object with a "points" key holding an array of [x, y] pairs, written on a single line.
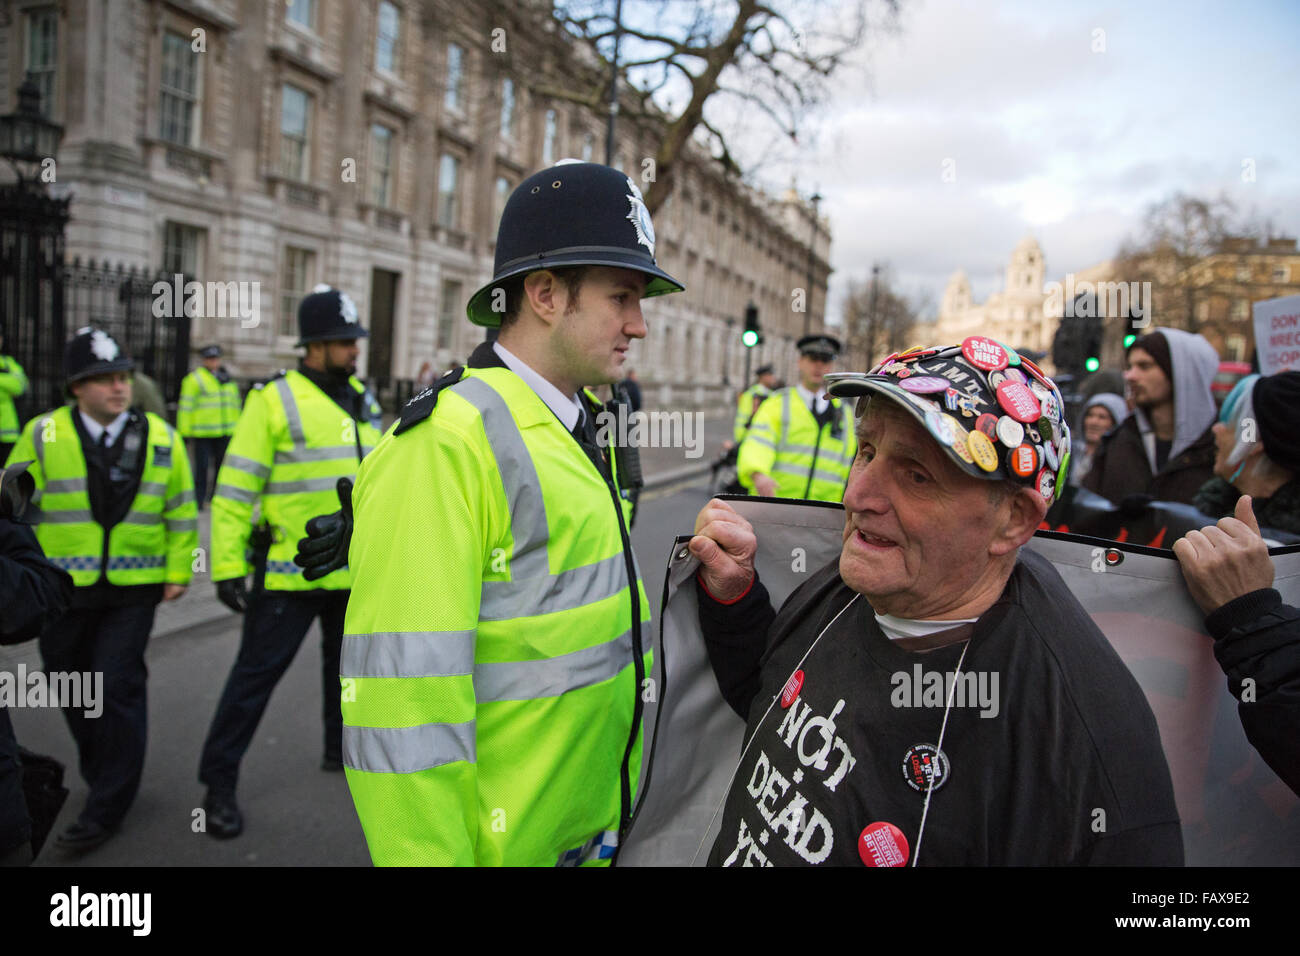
{"points": [[1047, 484], [988, 424], [984, 353], [791, 689], [883, 844], [1019, 402], [1023, 460]]}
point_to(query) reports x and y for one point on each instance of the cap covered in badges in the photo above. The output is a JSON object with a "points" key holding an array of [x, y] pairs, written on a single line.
{"points": [[572, 214], [992, 424], [93, 352], [821, 346], [212, 351], [328, 314]]}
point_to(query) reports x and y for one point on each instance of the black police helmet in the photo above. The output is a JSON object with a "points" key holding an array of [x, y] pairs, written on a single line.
{"points": [[93, 352], [572, 214], [328, 314]]}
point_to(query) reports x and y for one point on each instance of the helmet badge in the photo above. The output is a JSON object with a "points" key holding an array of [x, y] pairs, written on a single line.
{"points": [[639, 216], [105, 348]]}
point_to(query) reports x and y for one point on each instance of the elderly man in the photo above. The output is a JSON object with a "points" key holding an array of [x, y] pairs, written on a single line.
{"points": [[937, 695]]}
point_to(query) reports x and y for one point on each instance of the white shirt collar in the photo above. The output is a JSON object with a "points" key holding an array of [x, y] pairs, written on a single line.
{"points": [[807, 398], [566, 408], [896, 628], [94, 429]]}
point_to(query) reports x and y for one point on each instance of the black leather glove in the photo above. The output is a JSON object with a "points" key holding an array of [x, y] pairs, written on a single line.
{"points": [[233, 593], [325, 549]]}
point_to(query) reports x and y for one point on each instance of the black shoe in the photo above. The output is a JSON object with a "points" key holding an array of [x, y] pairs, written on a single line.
{"points": [[224, 819], [331, 765], [82, 836]]}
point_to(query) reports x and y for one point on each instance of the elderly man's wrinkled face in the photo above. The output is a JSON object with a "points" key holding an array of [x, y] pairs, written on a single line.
{"points": [[922, 539]]}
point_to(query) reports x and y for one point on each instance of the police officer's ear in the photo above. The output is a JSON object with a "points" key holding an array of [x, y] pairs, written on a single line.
{"points": [[545, 295]]}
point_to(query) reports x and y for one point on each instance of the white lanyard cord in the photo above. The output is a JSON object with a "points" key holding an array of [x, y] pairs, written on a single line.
{"points": [[938, 757]]}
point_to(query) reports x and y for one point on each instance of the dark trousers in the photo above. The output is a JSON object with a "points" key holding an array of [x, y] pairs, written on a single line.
{"points": [[110, 747], [274, 626], [207, 451]]}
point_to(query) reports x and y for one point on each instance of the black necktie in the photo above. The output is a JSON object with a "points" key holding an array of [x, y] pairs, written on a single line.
{"points": [[585, 436]]}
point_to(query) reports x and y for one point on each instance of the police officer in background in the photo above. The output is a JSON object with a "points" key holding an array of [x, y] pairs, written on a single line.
{"points": [[495, 651], [115, 508], [206, 415], [13, 383], [297, 437], [751, 398], [801, 442]]}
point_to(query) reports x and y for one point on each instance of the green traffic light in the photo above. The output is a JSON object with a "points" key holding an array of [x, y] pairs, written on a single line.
{"points": [[1091, 363], [749, 337], [1129, 339]]}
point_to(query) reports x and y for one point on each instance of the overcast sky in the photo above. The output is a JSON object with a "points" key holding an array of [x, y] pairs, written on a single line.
{"points": [[1049, 138]]}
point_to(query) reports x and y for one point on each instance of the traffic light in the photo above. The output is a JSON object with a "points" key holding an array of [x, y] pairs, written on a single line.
{"points": [[752, 335], [1090, 335], [1131, 332]]}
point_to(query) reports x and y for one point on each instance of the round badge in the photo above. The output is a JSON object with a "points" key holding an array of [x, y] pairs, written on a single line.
{"points": [[1010, 432], [959, 439], [1044, 426], [1046, 483], [925, 767], [925, 384], [996, 379], [1050, 456], [1050, 409], [1033, 369], [984, 353], [982, 450], [939, 428], [1019, 402], [1063, 471], [1022, 460], [1013, 357], [1015, 375], [1039, 389], [988, 425], [883, 844], [791, 689]]}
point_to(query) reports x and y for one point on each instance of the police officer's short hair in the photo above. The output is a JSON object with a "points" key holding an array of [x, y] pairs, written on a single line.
{"points": [[571, 276]]}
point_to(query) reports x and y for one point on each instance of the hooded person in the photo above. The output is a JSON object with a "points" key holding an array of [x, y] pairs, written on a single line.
{"points": [[1101, 415], [1257, 452], [1165, 448]]}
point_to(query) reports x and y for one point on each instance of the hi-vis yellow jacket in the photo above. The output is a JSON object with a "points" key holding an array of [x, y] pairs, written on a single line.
{"points": [[153, 544], [804, 459], [13, 382], [208, 407], [291, 446], [747, 406], [493, 662]]}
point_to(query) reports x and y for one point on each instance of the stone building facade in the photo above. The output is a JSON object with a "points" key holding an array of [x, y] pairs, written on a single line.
{"points": [[1014, 315], [371, 144]]}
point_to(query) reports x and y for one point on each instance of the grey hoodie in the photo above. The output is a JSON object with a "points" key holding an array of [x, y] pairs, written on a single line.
{"points": [[1194, 364]]}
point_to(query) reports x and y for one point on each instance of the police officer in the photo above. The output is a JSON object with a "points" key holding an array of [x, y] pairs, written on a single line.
{"points": [[496, 651], [801, 442], [751, 398], [206, 415], [13, 383], [297, 437], [117, 511]]}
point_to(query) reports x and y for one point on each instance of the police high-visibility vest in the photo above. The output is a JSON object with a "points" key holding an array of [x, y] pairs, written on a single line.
{"points": [[156, 540], [786, 444], [208, 407], [746, 406], [493, 664], [13, 382], [291, 446]]}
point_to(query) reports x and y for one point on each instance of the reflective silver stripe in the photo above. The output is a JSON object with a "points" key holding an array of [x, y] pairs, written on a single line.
{"points": [[760, 441], [329, 453], [137, 562], [182, 524], [152, 488], [407, 749], [143, 517], [531, 593], [58, 516], [38, 439], [246, 465], [236, 494], [802, 472], [553, 676], [408, 654], [290, 411], [180, 498], [303, 484], [64, 486], [785, 416]]}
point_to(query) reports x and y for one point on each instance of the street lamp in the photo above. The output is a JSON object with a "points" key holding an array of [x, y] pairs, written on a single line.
{"points": [[812, 251], [25, 135]]}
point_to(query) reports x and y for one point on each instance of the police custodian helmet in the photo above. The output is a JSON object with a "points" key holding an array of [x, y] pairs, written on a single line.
{"points": [[93, 352], [572, 214], [327, 314]]}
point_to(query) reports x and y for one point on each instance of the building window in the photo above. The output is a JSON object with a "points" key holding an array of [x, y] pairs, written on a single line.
{"points": [[1281, 273], [548, 140], [295, 155], [500, 195], [1235, 346], [449, 192], [1240, 310], [1243, 273], [381, 165], [182, 246], [453, 307], [179, 93], [507, 107], [300, 12], [42, 45], [455, 77], [299, 265], [386, 38], [588, 147]]}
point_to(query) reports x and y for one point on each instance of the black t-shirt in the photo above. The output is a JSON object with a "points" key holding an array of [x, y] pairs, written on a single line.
{"points": [[1050, 754]]}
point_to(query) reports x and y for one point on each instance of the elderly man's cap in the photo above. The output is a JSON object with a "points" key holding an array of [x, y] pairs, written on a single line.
{"points": [[326, 315], [994, 412], [93, 352], [572, 214], [820, 346], [212, 351]]}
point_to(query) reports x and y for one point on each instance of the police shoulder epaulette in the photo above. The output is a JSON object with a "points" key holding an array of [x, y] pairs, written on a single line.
{"points": [[423, 402], [258, 386]]}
